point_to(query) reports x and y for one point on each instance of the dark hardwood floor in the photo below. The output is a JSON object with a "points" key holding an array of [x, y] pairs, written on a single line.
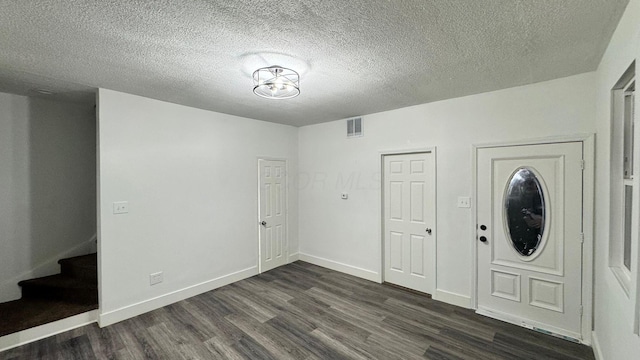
{"points": [[302, 311]]}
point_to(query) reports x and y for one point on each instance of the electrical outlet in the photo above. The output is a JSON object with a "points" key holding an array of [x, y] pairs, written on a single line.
{"points": [[120, 207], [155, 278], [464, 202]]}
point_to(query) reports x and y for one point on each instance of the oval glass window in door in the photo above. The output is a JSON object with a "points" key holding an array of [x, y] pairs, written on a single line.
{"points": [[525, 211]]}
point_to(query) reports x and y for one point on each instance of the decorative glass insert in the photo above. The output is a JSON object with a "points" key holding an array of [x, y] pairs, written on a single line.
{"points": [[525, 211]]}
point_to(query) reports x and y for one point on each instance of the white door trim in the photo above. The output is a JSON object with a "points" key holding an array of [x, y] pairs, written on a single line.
{"points": [[383, 153], [588, 148], [286, 198]]}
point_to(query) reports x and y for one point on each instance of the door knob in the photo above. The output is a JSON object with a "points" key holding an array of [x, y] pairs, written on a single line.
{"points": [[263, 223], [483, 238], [483, 227], [428, 231]]}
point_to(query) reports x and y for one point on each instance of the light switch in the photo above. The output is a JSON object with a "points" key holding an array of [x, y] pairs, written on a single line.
{"points": [[120, 207], [464, 202]]}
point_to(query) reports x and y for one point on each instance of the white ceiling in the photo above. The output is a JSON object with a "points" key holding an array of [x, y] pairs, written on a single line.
{"points": [[354, 57]]}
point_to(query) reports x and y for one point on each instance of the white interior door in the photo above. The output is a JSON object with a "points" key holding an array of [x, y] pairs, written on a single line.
{"points": [[409, 220], [529, 215], [273, 213]]}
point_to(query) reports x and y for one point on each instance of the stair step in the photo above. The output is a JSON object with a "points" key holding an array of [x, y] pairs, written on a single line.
{"points": [[84, 267], [60, 287], [23, 314]]}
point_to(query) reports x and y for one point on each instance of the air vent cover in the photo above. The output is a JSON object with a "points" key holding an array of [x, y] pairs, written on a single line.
{"points": [[354, 127]]}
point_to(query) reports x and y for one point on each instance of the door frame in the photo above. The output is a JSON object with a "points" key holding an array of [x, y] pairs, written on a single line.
{"points": [[430, 149], [588, 200], [286, 202]]}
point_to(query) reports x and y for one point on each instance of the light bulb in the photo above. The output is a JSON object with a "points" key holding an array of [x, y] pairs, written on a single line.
{"points": [[278, 83]]}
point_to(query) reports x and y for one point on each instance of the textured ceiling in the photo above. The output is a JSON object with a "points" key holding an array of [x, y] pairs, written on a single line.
{"points": [[355, 57]]}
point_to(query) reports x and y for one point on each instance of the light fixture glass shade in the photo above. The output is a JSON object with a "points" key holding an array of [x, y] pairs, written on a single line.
{"points": [[276, 82]]}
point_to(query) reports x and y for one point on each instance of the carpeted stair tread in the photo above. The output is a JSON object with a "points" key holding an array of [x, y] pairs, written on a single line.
{"points": [[85, 267], [61, 288], [60, 281], [86, 261], [23, 314]]}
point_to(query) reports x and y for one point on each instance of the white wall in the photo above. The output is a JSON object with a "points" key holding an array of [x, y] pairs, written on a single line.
{"points": [[190, 177], [614, 311], [47, 186], [348, 232]]}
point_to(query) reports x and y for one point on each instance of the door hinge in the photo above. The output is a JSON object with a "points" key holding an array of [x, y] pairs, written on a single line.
{"points": [[581, 310], [582, 238], [582, 164]]}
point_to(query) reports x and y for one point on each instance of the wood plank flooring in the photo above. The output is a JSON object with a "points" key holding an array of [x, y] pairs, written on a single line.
{"points": [[302, 311]]}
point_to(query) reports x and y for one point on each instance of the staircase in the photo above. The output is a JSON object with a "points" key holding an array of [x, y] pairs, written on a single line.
{"points": [[50, 298]]}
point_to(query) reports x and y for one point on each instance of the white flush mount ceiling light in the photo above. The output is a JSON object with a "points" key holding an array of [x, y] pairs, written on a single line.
{"points": [[276, 82]]}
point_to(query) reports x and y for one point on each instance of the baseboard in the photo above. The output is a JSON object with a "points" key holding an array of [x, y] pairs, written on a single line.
{"points": [[294, 257], [595, 345], [43, 331], [344, 268], [452, 298], [9, 289], [127, 312]]}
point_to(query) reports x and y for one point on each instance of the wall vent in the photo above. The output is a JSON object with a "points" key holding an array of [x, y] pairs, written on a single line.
{"points": [[354, 127]]}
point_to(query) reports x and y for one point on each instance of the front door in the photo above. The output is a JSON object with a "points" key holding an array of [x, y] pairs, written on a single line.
{"points": [[529, 235], [409, 220], [273, 214]]}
